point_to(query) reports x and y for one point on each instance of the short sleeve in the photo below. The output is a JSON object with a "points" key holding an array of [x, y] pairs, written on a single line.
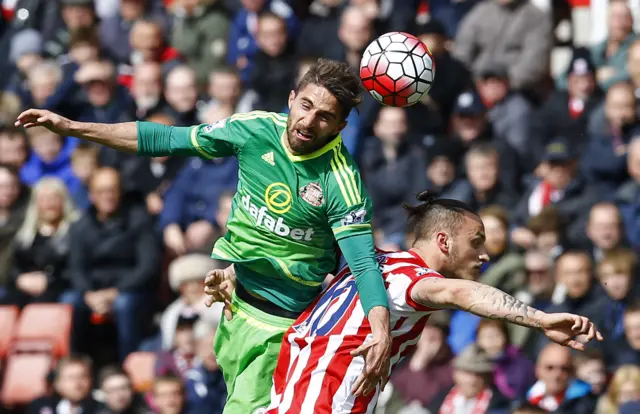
{"points": [[220, 139], [348, 203], [401, 284]]}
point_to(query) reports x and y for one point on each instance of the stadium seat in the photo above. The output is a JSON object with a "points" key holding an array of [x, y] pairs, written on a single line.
{"points": [[141, 367], [8, 319], [25, 378], [44, 325]]}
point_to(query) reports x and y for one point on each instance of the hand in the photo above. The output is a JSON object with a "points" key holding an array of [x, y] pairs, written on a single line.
{"points": [[218, 286], [377, 355], [92, 299], [154, 203], [33, 283], [605, 73], [174, 239], [569, 330], [40, 117]]}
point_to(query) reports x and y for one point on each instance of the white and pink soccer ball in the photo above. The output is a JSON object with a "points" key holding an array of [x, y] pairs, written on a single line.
{"points": [[397, 69]]}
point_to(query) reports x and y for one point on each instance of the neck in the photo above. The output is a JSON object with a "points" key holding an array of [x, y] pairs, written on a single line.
{"points": [[103, 216], [433, 259], [389, 151], [4, 213]]}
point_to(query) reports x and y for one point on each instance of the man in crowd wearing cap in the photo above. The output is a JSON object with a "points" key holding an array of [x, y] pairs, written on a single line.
{"points": [[604, 158], [628, 196], [567, 111], [561, 186], [473, 390], [25, 52], [556, 389]]}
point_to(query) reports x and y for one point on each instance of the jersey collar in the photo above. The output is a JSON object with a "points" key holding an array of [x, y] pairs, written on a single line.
{"points": [[315, 154]]}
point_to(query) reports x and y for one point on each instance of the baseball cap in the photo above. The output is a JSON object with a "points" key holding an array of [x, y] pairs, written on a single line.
{"points": [[469, 103], [25, 42], [558, 150], [433, 26], [581, 63]]}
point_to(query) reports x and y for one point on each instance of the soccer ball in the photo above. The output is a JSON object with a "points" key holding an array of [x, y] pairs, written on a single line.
{"points": [[397, 69]]}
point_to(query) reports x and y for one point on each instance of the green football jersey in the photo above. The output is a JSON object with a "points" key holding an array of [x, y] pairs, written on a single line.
{"points": [[289, 210]]}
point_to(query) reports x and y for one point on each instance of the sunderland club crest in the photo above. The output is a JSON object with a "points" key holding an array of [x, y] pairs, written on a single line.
{"points": [[312, 194]]}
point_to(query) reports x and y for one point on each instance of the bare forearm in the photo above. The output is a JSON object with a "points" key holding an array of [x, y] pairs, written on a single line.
{"points": [[477, 298], [122, 136]]}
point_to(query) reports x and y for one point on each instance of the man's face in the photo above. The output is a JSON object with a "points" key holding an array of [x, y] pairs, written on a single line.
{"points": [[181, 91], [131, 10], [391, 126], [633, 64], [553, 368], [83, 166], [42, 87], [272, 36], [604, 227], [147, 85], [574, 272], [539, 278], [104, 192], [46, 145], [26, 62], [225, 88], [184, 340], [620, 106], [594, 373], [314, 119], [581, 86], [492, 340], [492, 90], [441, 171], [147, 40], [191, 291], [560, 174], [434, 42], [620, 21], [73, 382], [496, 235], [99, 93], [467, 251], [482, 171], [50, 205], [470, 384], [9, 189], [469, 128], [355, 30], [118, 393], [168, 397], [632, 329], [13, 149], [78, 17], [617, 284]]}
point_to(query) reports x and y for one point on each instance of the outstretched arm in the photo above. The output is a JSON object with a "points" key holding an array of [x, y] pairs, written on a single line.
{"points": [[492, 303]]}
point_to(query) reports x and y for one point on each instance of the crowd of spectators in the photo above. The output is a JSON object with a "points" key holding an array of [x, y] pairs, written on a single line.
{"points": [[549, 158]]}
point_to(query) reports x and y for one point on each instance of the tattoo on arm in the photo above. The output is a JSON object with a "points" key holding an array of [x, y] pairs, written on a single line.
{"points": [[493, 303]]}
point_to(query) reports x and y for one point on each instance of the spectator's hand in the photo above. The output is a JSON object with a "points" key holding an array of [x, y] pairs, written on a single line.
{"points": [[94, 302], [40, 117], [605, 73], [218, 286], [569, 330], [174, 239], [32, 283], [523, 237], [154, 203], [199, 235]]}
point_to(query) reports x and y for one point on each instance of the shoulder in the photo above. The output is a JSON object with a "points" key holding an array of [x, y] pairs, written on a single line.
{"points": [[404, 263], [255, 120]]}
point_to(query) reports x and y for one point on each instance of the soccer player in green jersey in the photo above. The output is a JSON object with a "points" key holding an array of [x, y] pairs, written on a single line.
{"points": [[299, 198]]}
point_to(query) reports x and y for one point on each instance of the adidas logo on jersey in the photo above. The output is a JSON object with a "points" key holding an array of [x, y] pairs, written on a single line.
{"points": [[268, 157]]}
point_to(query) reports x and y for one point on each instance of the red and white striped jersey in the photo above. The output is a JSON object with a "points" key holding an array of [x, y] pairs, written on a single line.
{"points": [[315, 370]]}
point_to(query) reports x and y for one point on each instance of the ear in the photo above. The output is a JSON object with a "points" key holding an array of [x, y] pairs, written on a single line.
{"points": [[443, 242], [341, 126], [292, 96]]}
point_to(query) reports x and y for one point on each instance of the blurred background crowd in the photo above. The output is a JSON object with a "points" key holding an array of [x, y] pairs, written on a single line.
{"points": [[533, 120]]}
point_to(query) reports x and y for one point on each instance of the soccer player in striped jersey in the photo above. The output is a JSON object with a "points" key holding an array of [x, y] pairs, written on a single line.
{"points": [[299, 199], [320, 358]]}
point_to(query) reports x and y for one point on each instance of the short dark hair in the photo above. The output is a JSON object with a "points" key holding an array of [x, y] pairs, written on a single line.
{"points": [[83, 35], [79, 359], [547, 221], [108, 372], [634, 307], [498, 212], [435, 214], [587, 355], [339, 79]]}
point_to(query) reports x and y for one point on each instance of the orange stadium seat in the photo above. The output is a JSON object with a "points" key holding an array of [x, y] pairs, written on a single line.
{"points": [[44, 325], [25, 378], [141, 367], [8, 319]]}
